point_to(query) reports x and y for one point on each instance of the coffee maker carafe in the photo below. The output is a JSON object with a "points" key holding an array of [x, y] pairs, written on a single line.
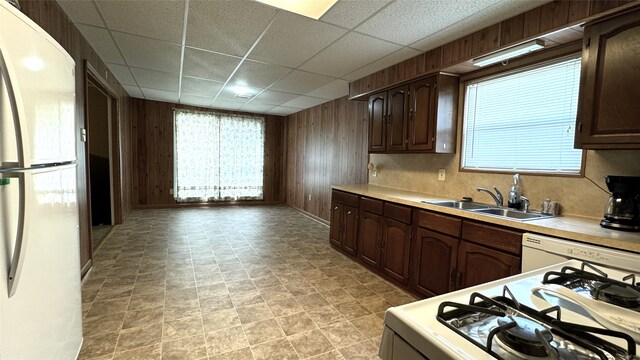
{"points": [[623, 209]]}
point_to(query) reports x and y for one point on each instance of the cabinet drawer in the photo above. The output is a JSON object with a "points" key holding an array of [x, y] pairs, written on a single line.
{"points": [[492, 236], [344, 198], [371, 205], [397, 212], [448, 225]]}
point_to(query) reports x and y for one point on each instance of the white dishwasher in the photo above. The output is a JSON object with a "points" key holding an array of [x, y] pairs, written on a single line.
{"points": [[539, 251]]}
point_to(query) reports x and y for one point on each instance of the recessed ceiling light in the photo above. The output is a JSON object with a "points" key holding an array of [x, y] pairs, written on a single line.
{"points": [[309, 8], [242, 92]]}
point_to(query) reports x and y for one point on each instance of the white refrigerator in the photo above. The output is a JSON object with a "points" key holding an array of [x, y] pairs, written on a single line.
{"points": [[40, 300]]}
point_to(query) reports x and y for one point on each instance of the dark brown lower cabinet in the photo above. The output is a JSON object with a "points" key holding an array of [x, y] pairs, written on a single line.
{"points": [[343, 232], [370, 238], [435, 260], [396, 243], [335, 230], [478, 264]]}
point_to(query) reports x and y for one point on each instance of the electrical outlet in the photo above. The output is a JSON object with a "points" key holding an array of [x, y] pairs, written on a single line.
{"points": [[441, 174], [309, 197], [170, 191]]}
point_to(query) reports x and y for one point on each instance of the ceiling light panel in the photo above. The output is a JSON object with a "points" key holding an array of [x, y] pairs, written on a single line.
{"points": [[309, 8], [509, 53], [228, 27]]}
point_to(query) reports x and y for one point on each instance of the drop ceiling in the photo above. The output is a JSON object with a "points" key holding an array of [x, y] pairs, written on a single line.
{"points": [[202, 52]]}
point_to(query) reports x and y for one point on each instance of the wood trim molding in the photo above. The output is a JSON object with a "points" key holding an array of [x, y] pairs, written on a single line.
{"points": [[543, 21], [310, 215]]}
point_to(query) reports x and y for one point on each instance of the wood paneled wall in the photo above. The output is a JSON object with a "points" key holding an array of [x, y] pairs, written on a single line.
{"points": [[152, 154], [532, 24], [326, 145], [49, 15]]}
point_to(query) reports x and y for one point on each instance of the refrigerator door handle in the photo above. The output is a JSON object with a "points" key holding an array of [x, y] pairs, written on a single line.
{"points": [[4, 72], [20, 246]]}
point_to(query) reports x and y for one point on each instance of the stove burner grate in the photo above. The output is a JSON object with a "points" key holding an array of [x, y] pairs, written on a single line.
{"points": [[624, 296], [525, 336]]}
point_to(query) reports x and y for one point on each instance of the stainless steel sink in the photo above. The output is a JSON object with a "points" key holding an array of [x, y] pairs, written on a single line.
{"points": [[462, 205], [512, 214]]}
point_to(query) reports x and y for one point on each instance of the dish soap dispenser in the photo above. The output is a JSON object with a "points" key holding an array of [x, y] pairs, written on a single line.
{"points": [[514, 193]]}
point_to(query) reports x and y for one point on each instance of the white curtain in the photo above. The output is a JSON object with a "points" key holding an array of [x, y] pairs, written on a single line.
{"points": [[218, 156]]}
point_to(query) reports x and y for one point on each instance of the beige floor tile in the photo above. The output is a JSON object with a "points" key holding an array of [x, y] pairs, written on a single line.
{"points": [[146, 301], [153, 286], [375, 303], [190, 348], [360, 351], [326, 315], [266, 281], [152, 352], [241, 354], [178, 310], [181, 328], [102, 324], [337, 296], [331, 355], [343, 334], [398, 297], [216, 303], [286, 306], [310, 343], [352, 309], [370, 325], [114, 292], [138, 318], [99, 308], [98, 345], [256, 312], [240, 286], [274, 350], [139, 336], [274, 293], [262, 331], [311, 301], [360, 292], [220, 319], [248, 297], [179, 295], [225, 340], [296, 323], [214, 290]]}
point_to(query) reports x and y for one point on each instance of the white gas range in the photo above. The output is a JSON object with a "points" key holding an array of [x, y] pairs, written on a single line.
{"points": [[489, 322]]}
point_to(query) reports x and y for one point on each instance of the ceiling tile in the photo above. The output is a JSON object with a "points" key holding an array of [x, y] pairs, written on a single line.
{"points": [[271, 97], [292, 39], [282, 111], [304, 102], [477, 21], [102, 43], [152, 79], [252, 73], [200, 86], [149, 54], [160, 95], [133, 91], [83, 12], [419, 18], [348, 54], [256, 108], [349, 13], [300, 82], [333, 90], [196, 100], [155, 19], [208, 65], [229, 27], [227, 104], [392, 59], [229, 92], [122, 74]]}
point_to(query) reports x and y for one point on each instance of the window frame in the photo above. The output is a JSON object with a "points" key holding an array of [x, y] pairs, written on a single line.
{"points": [[530, 61]]}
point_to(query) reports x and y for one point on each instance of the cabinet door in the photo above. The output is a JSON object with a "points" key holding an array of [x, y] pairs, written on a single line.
{"points": [[349, 240], [478, 264], [377, 122], [422, 114], [435, 262], [370, 238], [609, 110], [397, 111], [335, 224], [396, 242]]}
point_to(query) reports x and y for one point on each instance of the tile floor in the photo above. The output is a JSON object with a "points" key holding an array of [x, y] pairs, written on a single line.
{"points": [[258, 282]]}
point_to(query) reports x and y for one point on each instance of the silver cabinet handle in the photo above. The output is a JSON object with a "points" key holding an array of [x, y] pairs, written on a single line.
{"points": [[4, 72], [349, 212], [20, 246]]}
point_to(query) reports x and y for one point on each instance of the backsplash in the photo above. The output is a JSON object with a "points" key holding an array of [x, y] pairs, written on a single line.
{"points": [[577, 196]]}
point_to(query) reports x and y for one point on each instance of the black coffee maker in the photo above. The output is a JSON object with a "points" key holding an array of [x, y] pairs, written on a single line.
{"points": [[623, 209]]}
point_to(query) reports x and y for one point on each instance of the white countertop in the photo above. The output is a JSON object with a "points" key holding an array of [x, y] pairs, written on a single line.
{"points": [[573, 228]]}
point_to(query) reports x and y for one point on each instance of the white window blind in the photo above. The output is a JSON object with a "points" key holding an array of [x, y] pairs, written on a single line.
{"points": [[524, 121], [218, 156]]}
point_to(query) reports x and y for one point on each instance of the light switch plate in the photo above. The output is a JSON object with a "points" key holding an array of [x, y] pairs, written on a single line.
{"points": [[441, 174]]}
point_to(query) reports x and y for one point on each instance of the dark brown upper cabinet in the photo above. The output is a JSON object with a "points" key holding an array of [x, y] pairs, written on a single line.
{"points": [[608, 107], [388, 120], [415, 117]]}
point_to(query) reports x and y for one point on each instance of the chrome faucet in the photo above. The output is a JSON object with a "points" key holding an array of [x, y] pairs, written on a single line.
{"points": [[525, 203], [497, 197]]}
